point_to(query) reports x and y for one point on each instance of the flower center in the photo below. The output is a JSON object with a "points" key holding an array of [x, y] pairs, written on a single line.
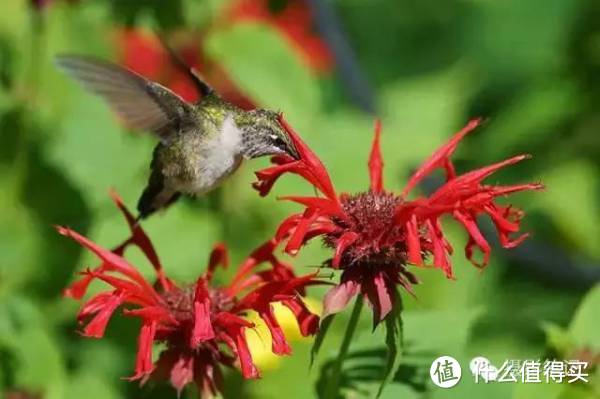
{"points": [[180, 302], [370, 215]]}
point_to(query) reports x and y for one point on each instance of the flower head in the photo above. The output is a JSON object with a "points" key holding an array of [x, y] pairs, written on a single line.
{"points": [[195, 321], [376, 234]]}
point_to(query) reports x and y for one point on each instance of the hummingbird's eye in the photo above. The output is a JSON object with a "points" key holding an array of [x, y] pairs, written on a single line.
{"points": [[278, 141]]}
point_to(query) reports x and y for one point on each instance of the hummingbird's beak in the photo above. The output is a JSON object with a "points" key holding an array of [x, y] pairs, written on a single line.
{"points": [[293, 152]]}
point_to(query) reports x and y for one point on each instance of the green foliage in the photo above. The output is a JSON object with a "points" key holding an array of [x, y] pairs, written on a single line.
{"points": [[255, 55], [585, 326], [320, 337], [394, 341]]}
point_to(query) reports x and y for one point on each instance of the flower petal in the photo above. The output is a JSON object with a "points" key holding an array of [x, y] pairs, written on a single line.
{"points": [[376, 161], [440, 257], [314, 165], [182, 372], [308, 322], [218, 256], [234, 327], [268, 177], [475, 238], [261, 254], [413, 242], [379, 293], [249, 370], [154, 313], [143, 362], [274, 291], [96, 327], [338, 297], [297, 238], [111, 261], [203, 329], [78, 289], [325, 205], [439, 157], [279, 344], [347, 239], [140, 239]]}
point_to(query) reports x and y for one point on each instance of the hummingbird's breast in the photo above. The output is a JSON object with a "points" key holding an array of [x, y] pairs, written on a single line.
{"points": [[207, 159]]}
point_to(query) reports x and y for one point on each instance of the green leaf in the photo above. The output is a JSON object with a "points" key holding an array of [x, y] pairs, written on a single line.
{"points": [[19, 241], [320, 337], [394, 341], [529, 118], [41, 365], [427, 330], [530, 41], [557, 337], [90, 386], [585, 327], [546, 391], [573, 182], [95, 154]]}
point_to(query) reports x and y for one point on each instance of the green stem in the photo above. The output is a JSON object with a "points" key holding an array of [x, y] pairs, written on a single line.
{"points": [[333, 387]]}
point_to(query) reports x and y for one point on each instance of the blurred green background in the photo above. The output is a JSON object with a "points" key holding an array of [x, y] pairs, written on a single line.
{"points": [[424, 66]]}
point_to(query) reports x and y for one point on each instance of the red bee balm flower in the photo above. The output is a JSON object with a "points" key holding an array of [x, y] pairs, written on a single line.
{"points": [[376, 234], [195, 321]]}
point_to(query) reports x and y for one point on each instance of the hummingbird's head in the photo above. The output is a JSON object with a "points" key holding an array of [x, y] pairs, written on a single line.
{"points": [[264, 135]]}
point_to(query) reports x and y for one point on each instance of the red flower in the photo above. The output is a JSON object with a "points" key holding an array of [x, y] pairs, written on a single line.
{"points": [[294, 21], [40, 4], [197, 320], [375, 234], [143, 53]]}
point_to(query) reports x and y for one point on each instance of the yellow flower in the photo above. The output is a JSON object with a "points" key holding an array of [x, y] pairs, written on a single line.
{"points": [[259, 339]]}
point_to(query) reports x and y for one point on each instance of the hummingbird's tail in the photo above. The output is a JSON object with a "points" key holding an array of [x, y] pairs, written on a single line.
{"points": [[155, 197]]}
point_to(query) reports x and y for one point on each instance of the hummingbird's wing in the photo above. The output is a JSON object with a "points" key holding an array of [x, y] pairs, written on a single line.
{"points": [[143, 104], [203, 88]]}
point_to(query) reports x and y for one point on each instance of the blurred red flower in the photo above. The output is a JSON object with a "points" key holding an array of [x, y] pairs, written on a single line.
{"points": [[196, 320], [143, 53], [293, 18], [375, 234], [40, 4]]}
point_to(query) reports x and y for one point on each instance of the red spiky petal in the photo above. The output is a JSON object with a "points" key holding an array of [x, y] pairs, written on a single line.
{"points": [[376, 161]]}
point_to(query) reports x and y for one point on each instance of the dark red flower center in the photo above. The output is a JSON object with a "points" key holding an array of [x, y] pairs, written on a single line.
{"points": [[180, 302], [371, 216]]}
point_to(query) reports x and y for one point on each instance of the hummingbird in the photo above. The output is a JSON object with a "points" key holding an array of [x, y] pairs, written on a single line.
{"points": [[199, 144]]}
